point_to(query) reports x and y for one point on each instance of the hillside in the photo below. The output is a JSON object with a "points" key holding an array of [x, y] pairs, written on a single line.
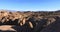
{"points": [[29, 21]]}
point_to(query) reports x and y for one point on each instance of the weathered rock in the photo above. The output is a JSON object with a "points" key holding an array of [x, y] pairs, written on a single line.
{"points": [[29, 21], [7, 28], [53, 27]]}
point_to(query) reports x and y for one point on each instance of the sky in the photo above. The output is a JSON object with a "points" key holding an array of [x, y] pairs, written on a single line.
{"points": [[30, 5]]}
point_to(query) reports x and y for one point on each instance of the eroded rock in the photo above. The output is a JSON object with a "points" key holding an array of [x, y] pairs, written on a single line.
{"points": [[28, 21]]}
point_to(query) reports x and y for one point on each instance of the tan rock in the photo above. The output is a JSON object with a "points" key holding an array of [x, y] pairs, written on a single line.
{"points": [[6, 27]]}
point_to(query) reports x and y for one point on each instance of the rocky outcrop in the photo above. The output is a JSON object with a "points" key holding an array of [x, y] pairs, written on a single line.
{"points": [[53, 27], [29, 21]]}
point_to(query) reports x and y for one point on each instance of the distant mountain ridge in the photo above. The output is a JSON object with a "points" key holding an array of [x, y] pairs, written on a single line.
{"points": [[26, 11]]}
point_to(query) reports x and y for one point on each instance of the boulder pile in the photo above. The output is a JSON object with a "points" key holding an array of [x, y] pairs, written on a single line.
{"points": [[29, 21]]}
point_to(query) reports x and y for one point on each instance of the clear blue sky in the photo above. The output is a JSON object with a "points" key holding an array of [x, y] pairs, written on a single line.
{"points": [[30, 4]]}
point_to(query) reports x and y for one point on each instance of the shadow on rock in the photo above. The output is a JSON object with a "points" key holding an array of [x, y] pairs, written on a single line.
{"points": [[54, 27]]}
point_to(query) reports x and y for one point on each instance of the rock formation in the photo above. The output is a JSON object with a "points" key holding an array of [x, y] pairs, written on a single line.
{"points": [[29, 21]]}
